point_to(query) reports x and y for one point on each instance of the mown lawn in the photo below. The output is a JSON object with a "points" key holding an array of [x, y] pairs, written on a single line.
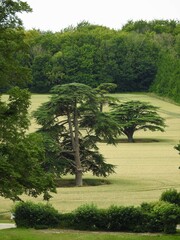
{"points": [[24, 234]]}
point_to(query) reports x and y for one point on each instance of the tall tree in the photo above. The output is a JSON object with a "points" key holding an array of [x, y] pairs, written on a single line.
{"points": [[12, 46], [75, 124], [136, 115]]}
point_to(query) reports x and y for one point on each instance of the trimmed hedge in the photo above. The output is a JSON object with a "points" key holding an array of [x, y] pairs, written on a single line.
{"points": [[149, 217]]}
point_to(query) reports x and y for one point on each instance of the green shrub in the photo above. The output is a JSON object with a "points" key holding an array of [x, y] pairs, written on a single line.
{"points": [[67, 220], [161, 216], [167, 213], [171, 196], [31, 215], [125, 219], [87, 217]]}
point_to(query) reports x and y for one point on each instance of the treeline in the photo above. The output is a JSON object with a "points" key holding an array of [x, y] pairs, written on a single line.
{"points": [[142, 56]]}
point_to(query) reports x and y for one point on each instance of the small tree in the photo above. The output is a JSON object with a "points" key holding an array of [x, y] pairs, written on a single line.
{"points": [[102, 90], [72, 108], [136, 115]]}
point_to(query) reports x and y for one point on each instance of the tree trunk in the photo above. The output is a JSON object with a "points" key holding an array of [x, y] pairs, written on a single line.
{"points": [[75, 146], [79, 170], [78, 178], [130, 137]]}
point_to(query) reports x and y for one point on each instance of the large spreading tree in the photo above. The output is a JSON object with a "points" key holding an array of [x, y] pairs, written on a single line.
{"points": [[133, 116], [21, 155], [72, 123]]}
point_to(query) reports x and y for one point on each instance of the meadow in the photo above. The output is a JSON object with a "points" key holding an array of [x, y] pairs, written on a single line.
{"points": [[144, 169]]}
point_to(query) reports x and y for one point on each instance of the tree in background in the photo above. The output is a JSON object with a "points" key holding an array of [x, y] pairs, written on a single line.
{"points": [[135, 115], [13, 71], [21, 155], [72, 124], [134, 58], [167, 82], [102, 90]]}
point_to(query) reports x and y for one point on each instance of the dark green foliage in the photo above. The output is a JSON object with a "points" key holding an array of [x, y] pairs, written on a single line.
{"points": [[167, 82], [13, 50], [124, 219], [171, 196], [31, 215], [150, 217], [162, 216], [67, 221], [87, 217], [93, 56], [21, 154]]}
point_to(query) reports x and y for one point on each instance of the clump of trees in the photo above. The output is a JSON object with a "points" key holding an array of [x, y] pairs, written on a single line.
{"points": [[142, 56]]}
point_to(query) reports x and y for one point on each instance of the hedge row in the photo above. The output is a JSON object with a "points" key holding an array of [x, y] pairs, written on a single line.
{"points": [[149, 217]]}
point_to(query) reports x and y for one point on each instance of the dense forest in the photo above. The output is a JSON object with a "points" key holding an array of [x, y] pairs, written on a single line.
{"points": [[142, 56]]}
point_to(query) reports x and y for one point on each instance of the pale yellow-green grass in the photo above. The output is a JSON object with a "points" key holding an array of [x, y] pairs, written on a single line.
{"points": [[144, 169]]}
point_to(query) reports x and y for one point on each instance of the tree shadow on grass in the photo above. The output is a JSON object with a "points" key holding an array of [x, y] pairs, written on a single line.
{"points": [[139, 140], [86, 182]]}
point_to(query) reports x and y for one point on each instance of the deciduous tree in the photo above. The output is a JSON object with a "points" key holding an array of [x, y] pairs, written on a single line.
{"points": [[21, 155], [13, 71]]}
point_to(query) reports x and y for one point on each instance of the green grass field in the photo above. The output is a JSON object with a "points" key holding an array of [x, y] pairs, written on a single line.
{"points": [[22, 234], [144, 168]]}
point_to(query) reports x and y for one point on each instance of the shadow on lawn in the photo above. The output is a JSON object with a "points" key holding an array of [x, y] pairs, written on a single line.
{"points": [[86, 182]]}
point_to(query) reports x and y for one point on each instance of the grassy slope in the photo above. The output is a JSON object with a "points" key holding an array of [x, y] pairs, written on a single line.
{"points": [[22, 234], [144, 169]]}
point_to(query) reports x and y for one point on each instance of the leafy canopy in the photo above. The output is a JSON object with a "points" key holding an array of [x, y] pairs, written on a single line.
{"points": [[21, 154]]}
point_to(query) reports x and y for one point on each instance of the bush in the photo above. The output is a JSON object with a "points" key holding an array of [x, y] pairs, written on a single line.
{"points": [[125, 219], [167, 213], [67, 221], [161, 216], [171, 196], [30, 215], [87, 217]]}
